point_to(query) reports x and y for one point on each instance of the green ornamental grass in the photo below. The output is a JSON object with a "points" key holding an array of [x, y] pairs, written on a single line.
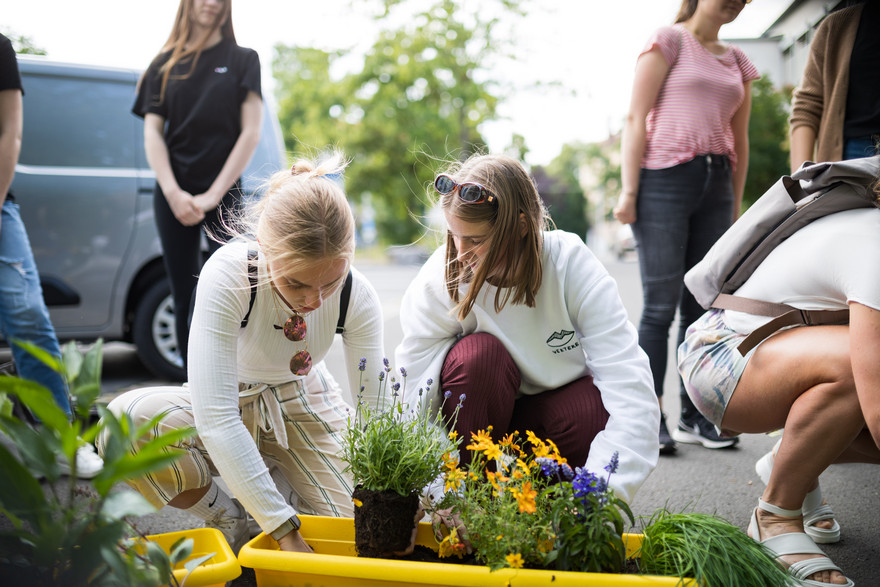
{"points": [[396, 447], [709, 549]]}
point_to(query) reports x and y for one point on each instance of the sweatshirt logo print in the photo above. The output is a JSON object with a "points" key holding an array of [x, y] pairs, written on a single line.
{"points": [[221, 69], [560, 339]]}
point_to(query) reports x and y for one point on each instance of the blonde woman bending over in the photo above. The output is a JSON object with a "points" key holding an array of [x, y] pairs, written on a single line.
{"points": [[267, 411]]}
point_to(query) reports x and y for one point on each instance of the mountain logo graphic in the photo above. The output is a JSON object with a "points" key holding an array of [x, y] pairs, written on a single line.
{"points": [[560, 339]]}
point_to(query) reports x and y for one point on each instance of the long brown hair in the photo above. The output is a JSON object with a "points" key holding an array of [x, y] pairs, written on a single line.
{"points": [[180, 33], [687, 10], [516, 259]]}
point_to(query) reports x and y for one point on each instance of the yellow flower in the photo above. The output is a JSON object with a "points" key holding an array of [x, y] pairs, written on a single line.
{"points": [[454, 478], [508, 440], [482, 440], [539, 448], [492, 479], [492, 451], [545, 545], [515, 560], [357, 503], [526, 498], [451, 545], [453, 435]]}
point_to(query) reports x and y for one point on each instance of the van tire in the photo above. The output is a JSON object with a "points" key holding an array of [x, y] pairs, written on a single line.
{"points": [[154, 334]]}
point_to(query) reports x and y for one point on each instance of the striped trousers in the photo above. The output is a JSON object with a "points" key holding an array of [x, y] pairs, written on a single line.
{"points": [[314, 416]]}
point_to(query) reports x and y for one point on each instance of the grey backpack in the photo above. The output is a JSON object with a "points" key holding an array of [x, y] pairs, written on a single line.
{"points": [[813, 191]]}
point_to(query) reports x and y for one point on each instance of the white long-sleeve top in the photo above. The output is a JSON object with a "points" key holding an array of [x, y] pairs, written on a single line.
{"points": [[222, 355], [578, 327]]}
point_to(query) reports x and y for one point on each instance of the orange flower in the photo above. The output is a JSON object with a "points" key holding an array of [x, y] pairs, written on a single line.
{"points": [[451, 545], [357, 503], [481, 440], [526, 498], [539, 448], [515, 560], [492, 451]]}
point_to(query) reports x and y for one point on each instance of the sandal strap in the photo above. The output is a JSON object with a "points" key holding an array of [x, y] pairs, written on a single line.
{"points": [[803, 569], [769, 507], [792, 543]]}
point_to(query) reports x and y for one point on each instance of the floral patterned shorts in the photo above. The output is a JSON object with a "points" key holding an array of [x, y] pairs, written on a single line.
{"points": [[709, 364]]}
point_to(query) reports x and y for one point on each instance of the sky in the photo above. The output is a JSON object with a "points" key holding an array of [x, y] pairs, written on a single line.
{"points": [[573, 73]]}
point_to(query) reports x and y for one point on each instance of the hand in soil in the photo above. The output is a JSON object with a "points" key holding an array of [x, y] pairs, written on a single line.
{"points": [[451, 521], [294, 542]]}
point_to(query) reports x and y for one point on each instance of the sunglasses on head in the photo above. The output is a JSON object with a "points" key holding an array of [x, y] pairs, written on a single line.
{"points": [[468, 192]]}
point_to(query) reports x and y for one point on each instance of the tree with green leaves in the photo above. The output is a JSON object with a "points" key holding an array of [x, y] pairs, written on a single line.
{"points": [[419, 100], [768, 138]]}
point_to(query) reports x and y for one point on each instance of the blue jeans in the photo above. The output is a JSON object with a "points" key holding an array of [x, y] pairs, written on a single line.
{"points": [[861, 147], [23, 313], [681, 212]]}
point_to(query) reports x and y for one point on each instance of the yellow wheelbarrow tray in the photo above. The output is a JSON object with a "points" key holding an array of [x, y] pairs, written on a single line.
{"points": [[335, 563]]}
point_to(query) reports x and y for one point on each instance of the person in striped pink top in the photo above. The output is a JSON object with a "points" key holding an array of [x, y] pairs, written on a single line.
{"points": [[685, 157]]}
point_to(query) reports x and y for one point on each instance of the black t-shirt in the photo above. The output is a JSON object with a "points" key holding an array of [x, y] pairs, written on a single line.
{"points": [[863, 95], [203, 111], [10, 78]]}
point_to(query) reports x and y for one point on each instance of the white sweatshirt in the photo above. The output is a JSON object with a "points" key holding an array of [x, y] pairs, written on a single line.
{"points": [[578, 327], [222, 355]]}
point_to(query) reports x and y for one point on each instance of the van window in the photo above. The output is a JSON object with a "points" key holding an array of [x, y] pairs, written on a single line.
{"points": [[77, 122]]}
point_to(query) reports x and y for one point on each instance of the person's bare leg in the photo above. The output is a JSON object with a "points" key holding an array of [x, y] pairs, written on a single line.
{"points": [[186, 499], [800, 380]]}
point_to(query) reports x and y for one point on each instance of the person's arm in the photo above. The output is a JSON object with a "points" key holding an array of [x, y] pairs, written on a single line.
{"points": [[10, 137], [651, 70], [239, 157], [808, 102], [740, 125], [864, 340], [181, 202]]}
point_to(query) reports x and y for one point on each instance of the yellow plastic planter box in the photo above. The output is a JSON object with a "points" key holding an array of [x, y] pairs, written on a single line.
{"points": [[335, 563], [214, 572]]}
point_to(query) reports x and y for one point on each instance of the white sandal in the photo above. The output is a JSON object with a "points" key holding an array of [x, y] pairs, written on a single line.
{"points": [[813, 508], [795, 543]]}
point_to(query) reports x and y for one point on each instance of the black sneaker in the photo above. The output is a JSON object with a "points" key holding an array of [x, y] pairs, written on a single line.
{"points": [[667, 445], [702, 432]]}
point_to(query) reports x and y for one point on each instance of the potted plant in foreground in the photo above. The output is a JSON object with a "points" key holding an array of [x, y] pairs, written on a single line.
{"points": [[392, 452], [60, 531]]}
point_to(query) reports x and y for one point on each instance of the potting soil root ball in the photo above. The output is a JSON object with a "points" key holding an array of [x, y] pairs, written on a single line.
{"points": [[383, 522]]}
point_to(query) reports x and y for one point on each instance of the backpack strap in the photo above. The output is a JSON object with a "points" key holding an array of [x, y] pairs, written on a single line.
{"points": [[783, 316], [343, 303], [252, 279]]}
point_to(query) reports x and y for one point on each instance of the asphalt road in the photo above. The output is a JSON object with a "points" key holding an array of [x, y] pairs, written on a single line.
{"points": [[723, 482]]}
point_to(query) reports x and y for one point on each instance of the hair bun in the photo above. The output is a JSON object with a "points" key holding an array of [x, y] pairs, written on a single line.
{"points": [[302, 167]]}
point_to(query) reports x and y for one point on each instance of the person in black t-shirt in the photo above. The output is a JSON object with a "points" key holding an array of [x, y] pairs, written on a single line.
{"points": [[202, 107]]}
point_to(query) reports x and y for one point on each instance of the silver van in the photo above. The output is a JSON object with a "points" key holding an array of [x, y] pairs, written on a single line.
{"points": [[86, 192]]}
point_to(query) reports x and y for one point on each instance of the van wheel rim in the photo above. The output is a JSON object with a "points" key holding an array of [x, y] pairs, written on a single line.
{"points": [[164, 335]]}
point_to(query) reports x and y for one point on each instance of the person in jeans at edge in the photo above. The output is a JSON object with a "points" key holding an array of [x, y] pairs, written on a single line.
{"points": [[685, 158], [23, 312]]}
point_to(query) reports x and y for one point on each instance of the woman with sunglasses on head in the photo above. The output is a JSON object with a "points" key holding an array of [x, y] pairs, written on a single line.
{"points": [[202, 107], [685, 157], [268, 413], [527, 324]]}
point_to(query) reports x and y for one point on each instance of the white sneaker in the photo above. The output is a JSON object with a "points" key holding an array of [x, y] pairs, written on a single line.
{"points": [[234, 528], [88, 463]]}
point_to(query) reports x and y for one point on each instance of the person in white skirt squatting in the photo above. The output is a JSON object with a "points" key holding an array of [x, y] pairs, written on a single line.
{"points": [[268, 414]]}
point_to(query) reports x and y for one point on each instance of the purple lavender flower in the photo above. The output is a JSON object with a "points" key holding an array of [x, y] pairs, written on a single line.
{"points": [[381, 375], [395, 388], [362, 364], [387, 364], [403, 372], [548, 466], [611, 467], [461, 398], [447, 394], [429, 381]]}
